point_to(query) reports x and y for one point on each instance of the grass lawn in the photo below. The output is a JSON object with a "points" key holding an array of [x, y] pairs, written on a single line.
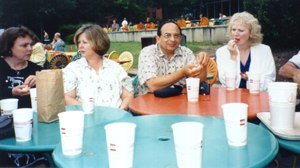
{"points": [[135, 48]]}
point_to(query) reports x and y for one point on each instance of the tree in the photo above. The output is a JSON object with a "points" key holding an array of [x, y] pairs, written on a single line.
{"points": [[280, 21]]}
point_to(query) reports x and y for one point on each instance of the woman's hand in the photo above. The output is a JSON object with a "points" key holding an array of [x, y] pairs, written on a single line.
{"points": [[20, 90], [232, 47], [30, 81]]}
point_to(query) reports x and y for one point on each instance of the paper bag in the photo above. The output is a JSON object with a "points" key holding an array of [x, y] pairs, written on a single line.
{"points": [[50, 95]]}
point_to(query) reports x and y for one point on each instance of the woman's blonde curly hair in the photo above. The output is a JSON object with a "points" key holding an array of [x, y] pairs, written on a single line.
{"points": [[250, 22]]}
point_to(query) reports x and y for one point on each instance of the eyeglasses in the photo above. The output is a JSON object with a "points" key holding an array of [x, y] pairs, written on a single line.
{"points": [[169, 35]]}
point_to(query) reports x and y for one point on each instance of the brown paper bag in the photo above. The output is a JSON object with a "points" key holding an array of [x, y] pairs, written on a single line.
{"points": [[50, 94]]}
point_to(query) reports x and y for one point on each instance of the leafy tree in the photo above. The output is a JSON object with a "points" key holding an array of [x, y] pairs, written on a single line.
{"points": [[280, 21]]}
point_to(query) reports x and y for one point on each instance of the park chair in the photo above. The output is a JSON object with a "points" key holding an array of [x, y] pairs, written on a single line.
{"points": [[212, 71], [126, 55], [59, 61], [114, 55]]}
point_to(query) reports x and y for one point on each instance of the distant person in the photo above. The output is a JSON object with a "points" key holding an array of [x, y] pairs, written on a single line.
{"points": [[58, 44], [166, 63], [188, 22], [244, 52], [140, 26], [291, 69], [149, 24], [115, 26], [38, 55], [220, 20], [96, 74], [203, 20], [46, 38], [124, 25], [181, 22]]}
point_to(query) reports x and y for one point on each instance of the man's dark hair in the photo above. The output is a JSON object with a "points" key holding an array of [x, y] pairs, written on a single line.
{"points": [[165, 22]]}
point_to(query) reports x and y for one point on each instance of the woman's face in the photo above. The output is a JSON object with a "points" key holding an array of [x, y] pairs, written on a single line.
{"points": [[85, 46], [22, 48], [240, 33]]}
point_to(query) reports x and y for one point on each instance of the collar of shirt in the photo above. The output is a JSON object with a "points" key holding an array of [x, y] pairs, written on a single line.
{"points": [[82, 61], [178, 52]]}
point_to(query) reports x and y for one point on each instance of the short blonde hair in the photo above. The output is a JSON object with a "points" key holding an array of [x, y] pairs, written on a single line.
{"points": [[94, 33], [250, 22]]}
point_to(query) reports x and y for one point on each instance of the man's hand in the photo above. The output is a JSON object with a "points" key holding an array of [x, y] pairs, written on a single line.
{"points": [[192, 70], [203, 58]]}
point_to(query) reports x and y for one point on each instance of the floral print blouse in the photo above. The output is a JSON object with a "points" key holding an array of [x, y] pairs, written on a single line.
{"points": [[105, 87]]}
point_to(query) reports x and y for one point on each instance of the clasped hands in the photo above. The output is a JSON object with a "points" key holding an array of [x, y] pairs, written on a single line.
{"points": [[194, 70]]}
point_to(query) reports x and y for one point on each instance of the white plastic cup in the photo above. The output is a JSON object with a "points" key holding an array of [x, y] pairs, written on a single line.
{"points": [[33, 97], [235, 118], [71, 125], [230, 80], [282, 92], [282, 115], [23, 124], [192, 86], [188, 138], [253, 83], [120, 144], [88, 105], [8, 105]]}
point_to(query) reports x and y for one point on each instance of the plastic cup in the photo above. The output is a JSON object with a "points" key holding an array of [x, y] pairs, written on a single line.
{"points": [[282, 92], [230, 79], [33, 97], [71, 125], [235, 118], [88, 105], [8, 105], [253, 82], [192, 86], [120, 144], [188, 143], [282, 115], [23, 124]]}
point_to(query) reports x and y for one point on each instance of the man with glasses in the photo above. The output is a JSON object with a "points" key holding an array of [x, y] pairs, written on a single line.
{"points": [[167, 63]]}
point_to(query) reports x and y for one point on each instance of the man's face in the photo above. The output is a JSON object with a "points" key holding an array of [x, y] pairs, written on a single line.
{"points": [[169, 39]]}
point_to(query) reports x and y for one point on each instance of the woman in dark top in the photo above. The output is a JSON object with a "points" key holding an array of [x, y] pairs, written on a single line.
{"points": [[17, 74]]}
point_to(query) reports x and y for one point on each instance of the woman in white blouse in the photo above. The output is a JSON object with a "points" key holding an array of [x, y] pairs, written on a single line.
{"points": [[94, 76], [244, 52]]}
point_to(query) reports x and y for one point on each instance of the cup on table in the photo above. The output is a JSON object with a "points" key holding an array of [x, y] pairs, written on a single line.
{"points": [[8, 105], [230, 79], [235, 119], [282, 101], [253, 82], [33, 98], [120, 138], [188, 138], [23, 124], [88, 105], [192, 86], [71, 124]]}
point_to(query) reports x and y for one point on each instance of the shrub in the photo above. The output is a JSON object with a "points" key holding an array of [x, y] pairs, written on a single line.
{"points": [[280, 21]]}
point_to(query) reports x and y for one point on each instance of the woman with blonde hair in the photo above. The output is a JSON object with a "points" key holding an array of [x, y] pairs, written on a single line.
{"points": [[105, 80], [244, 53]]}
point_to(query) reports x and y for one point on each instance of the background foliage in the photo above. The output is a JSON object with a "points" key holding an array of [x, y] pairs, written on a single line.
{"points": [[280, 19]]}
